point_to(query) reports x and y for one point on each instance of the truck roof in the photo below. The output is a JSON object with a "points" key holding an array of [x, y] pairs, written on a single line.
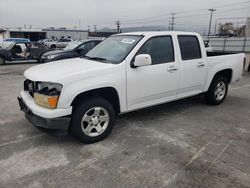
{"points": [[157, 33]]}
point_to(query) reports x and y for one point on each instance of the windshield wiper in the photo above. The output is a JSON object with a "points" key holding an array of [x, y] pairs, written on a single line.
{"points": [[95, 58]]}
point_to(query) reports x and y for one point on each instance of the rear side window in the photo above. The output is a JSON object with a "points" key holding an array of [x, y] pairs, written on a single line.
{"points": [[190, 47], [159, 48]]}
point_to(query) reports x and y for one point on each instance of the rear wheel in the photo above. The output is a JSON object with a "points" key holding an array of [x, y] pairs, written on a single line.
{"points": [[2, 61], [92, 120], [217, 91]]}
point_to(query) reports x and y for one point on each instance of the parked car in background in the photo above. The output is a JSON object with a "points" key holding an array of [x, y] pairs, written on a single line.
{"points": [[46, 42], [16, 40], [20, 51], [230, 34], [72, 50], [61, 43], [124, 73]]}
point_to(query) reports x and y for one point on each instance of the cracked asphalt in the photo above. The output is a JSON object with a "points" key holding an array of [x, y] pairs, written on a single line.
{"points": [[179, 144]]}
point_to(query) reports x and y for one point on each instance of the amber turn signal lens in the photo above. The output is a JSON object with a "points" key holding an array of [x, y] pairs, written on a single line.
{"points": [[52, 101], [46, 101]]}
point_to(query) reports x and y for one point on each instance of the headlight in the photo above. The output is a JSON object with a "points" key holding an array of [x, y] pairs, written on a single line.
{"points": [[47, 94], [52, 56]]}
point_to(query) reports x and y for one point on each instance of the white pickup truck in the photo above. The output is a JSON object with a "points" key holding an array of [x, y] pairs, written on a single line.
{"points": [[125, 72]]}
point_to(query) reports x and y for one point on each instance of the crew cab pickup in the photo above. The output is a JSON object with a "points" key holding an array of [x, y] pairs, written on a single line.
{"points": [[125, 72]]}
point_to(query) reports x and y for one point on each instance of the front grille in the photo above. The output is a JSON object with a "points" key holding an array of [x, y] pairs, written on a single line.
{"points": [[29, 86]]}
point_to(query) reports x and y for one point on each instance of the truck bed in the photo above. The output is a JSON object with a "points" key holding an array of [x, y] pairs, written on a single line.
{"points": [[210, 54], [220, 60]]}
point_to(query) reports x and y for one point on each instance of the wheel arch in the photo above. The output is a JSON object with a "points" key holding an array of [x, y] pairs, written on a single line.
{"points": [[227, 73], [4, 58], [108, 93]]}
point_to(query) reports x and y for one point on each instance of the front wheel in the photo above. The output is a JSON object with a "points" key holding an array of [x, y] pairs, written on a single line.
{"points": [[217, 91], [92, 120], [53, 46], [2, 61]]}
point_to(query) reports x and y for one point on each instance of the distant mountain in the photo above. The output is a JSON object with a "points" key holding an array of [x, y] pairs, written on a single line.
{"points": [[151, 28], [134, 29], [144, 28]]}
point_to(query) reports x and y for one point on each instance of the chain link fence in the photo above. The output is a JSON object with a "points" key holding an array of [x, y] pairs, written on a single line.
{"points": [[230, 44]]}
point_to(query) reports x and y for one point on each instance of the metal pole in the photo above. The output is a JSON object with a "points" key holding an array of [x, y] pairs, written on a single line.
{"points": [[224, 44], [172, 23], [210, 22], [244, 43], [215, 27], [80, 29]]}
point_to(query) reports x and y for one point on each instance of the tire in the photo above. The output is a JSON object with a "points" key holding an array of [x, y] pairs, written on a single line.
{"points": [[217, 91], [2, 61], [88, 116], [53, 46]]}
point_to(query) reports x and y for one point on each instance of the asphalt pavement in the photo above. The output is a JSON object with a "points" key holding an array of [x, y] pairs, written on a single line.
{"points": [[180, 144]]}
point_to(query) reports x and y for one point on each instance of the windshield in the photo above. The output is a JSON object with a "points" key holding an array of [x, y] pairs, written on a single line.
{"points": [[114, 49]]}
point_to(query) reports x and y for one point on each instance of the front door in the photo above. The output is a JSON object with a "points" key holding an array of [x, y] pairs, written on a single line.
{"points": [[156, 83]]}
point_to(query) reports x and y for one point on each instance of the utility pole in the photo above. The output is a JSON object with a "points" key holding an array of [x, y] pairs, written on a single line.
{"points": [[172, 21], [210, 22], [118, 24], [80, 24]]}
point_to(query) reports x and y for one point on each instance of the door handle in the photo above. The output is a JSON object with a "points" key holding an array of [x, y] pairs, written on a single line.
{"points": [[201, 64], [172, 69]]}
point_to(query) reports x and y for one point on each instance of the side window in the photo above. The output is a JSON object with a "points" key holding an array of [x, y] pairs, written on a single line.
{"points": [[82, 46], [87, 46], [160, 49], [97, 42], [190, 47], [93, 44]]}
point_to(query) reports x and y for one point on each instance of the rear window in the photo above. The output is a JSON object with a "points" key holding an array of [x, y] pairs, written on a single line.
{"points": [[190, 47]]}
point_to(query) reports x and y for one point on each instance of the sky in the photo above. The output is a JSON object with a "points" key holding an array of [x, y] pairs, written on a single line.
{"points": [[104, 13]]}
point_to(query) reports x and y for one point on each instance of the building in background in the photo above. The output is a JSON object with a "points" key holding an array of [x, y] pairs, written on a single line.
{"points": [[57, 33], [32, 34], [38, 34]]}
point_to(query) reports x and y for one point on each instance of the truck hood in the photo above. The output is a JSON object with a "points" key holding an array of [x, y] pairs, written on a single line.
{"points": [[59, 71]]}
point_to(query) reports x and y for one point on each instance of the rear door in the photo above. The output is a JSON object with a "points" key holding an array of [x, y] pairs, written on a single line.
{"points": [[193, 67], [156, 83]]}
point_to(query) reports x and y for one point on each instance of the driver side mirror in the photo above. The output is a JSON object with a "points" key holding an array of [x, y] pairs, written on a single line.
{"points": [[142, 60]]}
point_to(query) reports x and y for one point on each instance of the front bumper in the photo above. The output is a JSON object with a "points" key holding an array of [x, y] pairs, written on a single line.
{"points": [[44, 60], [60, 122]]}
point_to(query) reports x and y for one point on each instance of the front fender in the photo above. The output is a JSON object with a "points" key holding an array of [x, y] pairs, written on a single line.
{"points": [[72, 90]]}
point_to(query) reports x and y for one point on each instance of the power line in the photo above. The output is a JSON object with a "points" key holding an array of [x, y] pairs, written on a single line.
{"points": [[222, 11], [164, 16]]}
